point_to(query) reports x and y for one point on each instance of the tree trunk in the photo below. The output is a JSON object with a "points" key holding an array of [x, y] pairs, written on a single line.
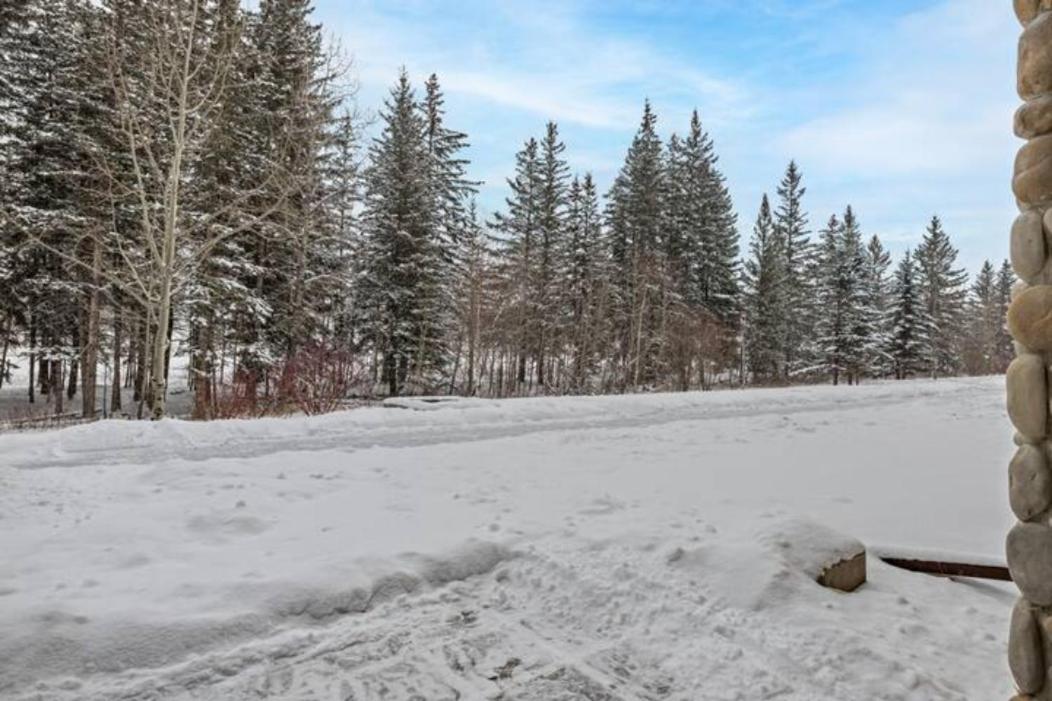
{"points": [[158, 364], [44, 375], [90, 354], [201, 372], [115, 400], [55, 377], [3, 352], [32, 359], [71, 384]]}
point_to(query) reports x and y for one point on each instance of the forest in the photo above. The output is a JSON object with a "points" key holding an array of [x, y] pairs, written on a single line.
{"points": [[193, 179]]}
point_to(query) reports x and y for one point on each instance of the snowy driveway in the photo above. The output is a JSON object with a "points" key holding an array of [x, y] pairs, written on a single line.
{"points": [[597, 548]]}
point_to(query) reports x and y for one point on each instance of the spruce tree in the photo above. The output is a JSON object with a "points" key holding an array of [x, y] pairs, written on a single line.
{"points": [[943, 294], [878, 293], [520, 226], [401, 259], [910, 325], [790, 226], [1005, 348], [636, 217], [979, 346], [587, 284], [551, 253], [763, 282]]}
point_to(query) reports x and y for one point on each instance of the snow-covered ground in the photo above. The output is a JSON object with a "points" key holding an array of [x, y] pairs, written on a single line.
{"points": [[616, 548]]}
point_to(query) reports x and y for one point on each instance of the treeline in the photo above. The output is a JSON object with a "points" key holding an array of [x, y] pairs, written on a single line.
{"points": [[185, 175]]}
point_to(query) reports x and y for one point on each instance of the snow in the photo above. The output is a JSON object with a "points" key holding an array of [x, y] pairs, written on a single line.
{"points": [[621, 548]]}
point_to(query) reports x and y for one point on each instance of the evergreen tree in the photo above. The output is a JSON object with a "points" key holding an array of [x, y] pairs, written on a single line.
{"points": [[587, 283], [763, 283], [790, 226], [551, 254], [298, 98], [844, 324], [943, 295], [401, 257], [910, 325], [878, 294], [702, 226], [520, 226], [1005, 347], [983, 323], [636, 217]]}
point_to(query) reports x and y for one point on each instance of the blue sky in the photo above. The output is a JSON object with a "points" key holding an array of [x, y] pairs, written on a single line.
{"points": [[901, 108]]}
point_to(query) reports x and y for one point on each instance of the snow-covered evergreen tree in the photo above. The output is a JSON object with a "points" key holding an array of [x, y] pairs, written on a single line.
{"points": [[402, 260], [910, 325], [845, 319], [550, 292], [636, 218], [520, 227], [1005, 352], [764, 278], [983, 313], [797, 288], [587, 283], [702, 225], [943, 293], [878, 295]]}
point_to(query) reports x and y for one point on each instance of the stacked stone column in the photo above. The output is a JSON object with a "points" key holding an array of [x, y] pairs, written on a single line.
{"points": [[1029, 544]]}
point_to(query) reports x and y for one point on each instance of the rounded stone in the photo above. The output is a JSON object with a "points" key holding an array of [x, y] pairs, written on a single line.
{"points": [[1029, 551], [1029, 483], [1026, 654], [1032, 182], [1018, 288], [1028, 244], [1027, 10], [1034, 118], [1035, 58], [1030, 317], [1028, 397]]}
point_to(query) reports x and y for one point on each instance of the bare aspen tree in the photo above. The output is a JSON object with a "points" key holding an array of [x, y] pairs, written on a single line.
{"points": [[168, 84]]}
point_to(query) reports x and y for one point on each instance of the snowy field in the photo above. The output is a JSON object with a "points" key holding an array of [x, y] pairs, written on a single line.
{"points": [[610, 549]]}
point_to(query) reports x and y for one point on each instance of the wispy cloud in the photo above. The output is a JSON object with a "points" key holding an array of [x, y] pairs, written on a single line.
{"points": [[540, 58], [926, 117]]}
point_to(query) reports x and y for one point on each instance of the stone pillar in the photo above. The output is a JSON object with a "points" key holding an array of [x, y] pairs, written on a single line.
{"points": [[1029, 544]]}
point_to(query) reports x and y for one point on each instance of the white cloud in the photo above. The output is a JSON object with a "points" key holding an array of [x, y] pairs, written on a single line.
{"points": [[936, 99]]}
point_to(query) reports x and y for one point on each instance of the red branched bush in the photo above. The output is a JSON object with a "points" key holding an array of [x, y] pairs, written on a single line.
{"points": [[318, 378]]}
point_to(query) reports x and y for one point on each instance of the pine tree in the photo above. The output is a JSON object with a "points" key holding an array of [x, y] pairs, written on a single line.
{"points": [[520, 226], [48, 154], [344, 187], [636, 218], [763, 281], [1005, 348], [299, 99], [552, 204], [832, 322], [844, 329], [943, 294], [877, 265], [587, 283], [715, 271], [402, 261], [979, 346], [790, 226], [475, 259], [910, 325]]}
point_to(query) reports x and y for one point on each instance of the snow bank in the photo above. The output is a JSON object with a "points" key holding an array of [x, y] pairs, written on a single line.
{"points": [[433, 420], [43, 642]]}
